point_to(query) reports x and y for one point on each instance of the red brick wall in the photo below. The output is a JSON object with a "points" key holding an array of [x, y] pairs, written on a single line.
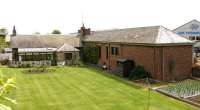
{"points": [[153, 59], [103, 58], [140, 54], [183, 59]]}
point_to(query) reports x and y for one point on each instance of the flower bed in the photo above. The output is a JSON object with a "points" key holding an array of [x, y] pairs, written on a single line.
{"points": [[183, 89], [39, 70]]}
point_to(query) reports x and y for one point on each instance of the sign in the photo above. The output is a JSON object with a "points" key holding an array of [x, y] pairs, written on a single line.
{"points": [[188, 33], [191, 28]]}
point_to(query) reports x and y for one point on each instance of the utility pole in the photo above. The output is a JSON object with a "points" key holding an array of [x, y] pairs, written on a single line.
{"points": [[149, 90]]}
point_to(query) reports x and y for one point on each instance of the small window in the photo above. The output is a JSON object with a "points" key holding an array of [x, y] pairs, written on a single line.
{"points": [[49, 56], [192, 37], [198, 38], [114, 51], [68, 56], [107, 52]]}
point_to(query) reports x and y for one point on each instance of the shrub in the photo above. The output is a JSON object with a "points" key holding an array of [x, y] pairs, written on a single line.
{"points": [[7, 85], [138, 73], [4, 62], [78, 63], [39, 70], [24, 65], [196, 71], [91, 54]]}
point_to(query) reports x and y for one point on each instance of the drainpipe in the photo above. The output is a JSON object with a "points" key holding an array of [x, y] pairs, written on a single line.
{"points": [[109, 55], [154, 58], [163, 68]]}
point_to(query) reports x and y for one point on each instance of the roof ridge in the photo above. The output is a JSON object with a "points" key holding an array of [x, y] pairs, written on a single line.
{"points": [[186, 24], [116, 29], [158, 34], [63, 47], [166, 35]]}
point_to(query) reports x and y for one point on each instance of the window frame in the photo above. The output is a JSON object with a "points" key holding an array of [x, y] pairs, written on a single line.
{"points": [[114, 50]]}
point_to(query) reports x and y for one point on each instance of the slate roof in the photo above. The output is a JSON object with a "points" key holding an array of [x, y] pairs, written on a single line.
{"points": [[153, 35], [66, 48], [43, 41]]}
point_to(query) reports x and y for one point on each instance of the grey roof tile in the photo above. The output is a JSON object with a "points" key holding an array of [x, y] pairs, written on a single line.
{"points": [[141, 35], [43, 41]]}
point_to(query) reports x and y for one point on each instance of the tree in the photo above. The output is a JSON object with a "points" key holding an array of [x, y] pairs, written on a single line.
{"points": [[3, 31], [56, 31], [6, 84], [37, 33]]}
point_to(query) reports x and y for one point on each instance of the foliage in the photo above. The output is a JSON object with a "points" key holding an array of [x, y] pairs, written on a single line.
{"points": [[24, 65], [3, 31], [39, 69], [4, 62], [78, 63], [4, 107], [138, 73], [3, 44], [56, 31], [91, 54], [37, 33], [12, 66], [6, 86]]}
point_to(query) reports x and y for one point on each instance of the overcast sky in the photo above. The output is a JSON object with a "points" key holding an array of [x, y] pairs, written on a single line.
{"points": [[43, 16]]}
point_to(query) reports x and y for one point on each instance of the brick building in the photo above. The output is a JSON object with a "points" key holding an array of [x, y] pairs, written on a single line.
{"points": [[45, 49], [154, 48]]}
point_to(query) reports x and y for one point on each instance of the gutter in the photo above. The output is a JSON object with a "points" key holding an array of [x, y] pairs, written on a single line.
{"points": [[145, 44], [109, 55]]}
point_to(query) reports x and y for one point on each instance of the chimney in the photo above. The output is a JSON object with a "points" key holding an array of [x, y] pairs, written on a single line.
{"points": [[14, 32], [83, 31]]}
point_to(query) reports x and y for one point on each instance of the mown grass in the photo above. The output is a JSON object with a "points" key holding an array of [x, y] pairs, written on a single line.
{"points": [[73, 88]]}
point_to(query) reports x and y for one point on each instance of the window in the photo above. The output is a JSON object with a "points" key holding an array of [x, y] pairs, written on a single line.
{"points": [[192, 37], [114, 51], [49, 56], [28, 57], [36, 56], [107, 52], [198, 38], [68, 56]]}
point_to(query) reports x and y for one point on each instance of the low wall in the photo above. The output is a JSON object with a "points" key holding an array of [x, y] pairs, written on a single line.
{"points": [[180, 99]]}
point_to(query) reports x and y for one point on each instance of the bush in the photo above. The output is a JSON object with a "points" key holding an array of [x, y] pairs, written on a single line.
{"points": [[196, 71], [138, 73], [24, 65], [91, 54], [7, 85], [4, 62], [79, 63], [39, 70]]}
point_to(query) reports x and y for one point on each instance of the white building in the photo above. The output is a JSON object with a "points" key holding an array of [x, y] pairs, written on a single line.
{"points": [[190, 30]]}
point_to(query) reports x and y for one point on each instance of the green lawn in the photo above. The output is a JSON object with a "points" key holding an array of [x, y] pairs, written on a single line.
{"points": [[70, 88]]}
